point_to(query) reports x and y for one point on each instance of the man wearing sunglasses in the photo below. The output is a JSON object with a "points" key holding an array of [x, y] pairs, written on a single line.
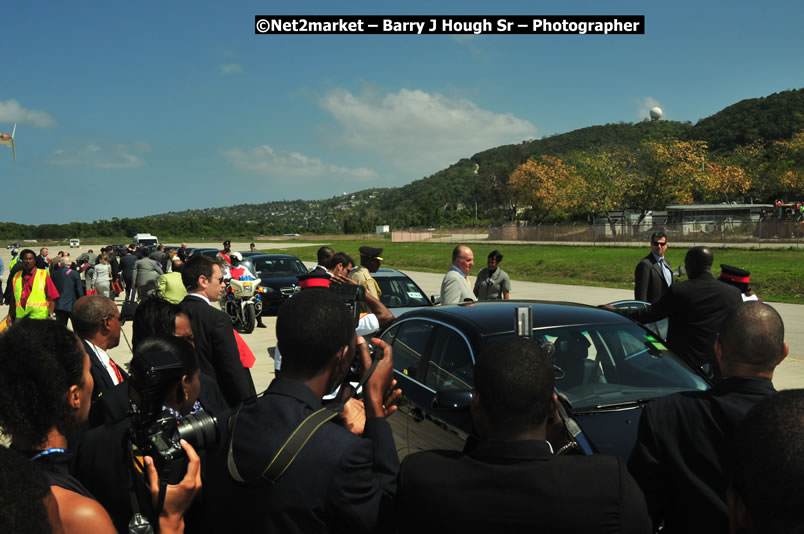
{"points": [[653, 274]]}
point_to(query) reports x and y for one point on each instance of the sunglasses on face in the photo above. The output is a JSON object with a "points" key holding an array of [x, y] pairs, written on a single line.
{"points": [[662, 244]]}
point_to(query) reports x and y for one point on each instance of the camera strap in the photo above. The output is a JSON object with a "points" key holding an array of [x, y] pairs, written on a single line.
{"points": [[283, 459]]}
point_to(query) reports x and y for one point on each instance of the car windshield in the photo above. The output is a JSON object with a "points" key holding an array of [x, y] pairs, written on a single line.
{"points": [[604, 366], [276, 267], [400, 292]]}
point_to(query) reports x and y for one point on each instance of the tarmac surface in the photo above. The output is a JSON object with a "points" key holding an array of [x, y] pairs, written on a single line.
{"points": [[790, 374]]}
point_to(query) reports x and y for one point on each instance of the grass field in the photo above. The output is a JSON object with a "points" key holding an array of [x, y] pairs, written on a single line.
{"points": [[776, 275]]}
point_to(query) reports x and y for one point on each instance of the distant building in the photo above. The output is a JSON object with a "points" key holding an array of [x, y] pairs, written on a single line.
{"points": [[704, 217], [383, 228]]}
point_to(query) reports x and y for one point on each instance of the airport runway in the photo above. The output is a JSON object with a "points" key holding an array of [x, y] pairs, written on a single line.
{"points": [[790, 374]]}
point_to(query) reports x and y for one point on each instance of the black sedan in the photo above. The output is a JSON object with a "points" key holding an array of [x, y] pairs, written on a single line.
{"points": [[400, 293], [608, 368], [279, 274]]}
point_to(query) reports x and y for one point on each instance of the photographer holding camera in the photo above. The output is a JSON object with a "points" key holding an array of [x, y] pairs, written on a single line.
{"points": [[334, 480], [164, 419]]}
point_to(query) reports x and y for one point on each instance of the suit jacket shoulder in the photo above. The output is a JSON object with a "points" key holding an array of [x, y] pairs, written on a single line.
{"points": [[514, 480], [217, 350]]}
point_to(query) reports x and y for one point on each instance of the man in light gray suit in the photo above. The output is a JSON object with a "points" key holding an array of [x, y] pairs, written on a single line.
{"points": [[146, 275], [455, 288]]}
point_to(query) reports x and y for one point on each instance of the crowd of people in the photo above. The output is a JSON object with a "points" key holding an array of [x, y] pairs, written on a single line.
{"points": [[181, 441]]}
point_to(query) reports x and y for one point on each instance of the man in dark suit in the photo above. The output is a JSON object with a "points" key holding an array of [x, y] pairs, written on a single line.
{"points": [[323, 256], [96, 320], [338, 481], [127, 263], [653, 274], [42, 261], [214, 336], [767, 468], [695, 308], [680, 459], [68, 282], [511, 480]]}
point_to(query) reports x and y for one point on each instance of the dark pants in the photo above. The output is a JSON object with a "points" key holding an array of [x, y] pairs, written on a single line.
{"points": [[131, 292], [62, 316]]}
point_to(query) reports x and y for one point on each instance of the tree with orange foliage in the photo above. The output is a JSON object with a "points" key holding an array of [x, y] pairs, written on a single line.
{"points": [[722, 182], [548, 185], [663, 172]]}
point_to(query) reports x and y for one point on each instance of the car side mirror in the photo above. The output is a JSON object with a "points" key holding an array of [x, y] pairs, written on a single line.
{"points": [[453, 401], [435, 299]]}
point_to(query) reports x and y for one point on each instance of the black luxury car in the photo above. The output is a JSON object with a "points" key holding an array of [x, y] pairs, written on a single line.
{"points": [[400, 293], [279, 275], [607, 368]]}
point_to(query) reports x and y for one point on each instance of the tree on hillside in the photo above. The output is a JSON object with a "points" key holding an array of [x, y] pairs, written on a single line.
{"points": [[659, 173], [604, 174], [722, 182], [790, 166], [549, 186]]}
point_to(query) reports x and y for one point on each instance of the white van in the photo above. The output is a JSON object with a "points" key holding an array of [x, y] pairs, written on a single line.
{"points": [[75, 243], [145, 240]]}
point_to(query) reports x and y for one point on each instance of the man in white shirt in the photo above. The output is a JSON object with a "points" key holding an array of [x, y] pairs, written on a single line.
{"points": [[96, 320]]}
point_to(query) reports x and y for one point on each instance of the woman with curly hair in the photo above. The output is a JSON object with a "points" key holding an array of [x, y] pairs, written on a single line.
{"points": [[45, 395]]}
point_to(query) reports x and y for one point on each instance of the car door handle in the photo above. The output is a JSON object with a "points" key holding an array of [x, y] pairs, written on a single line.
{"points": [[416, 414]]}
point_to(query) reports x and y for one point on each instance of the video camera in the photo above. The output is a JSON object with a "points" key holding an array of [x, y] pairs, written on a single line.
{"points": [[156, 432]]}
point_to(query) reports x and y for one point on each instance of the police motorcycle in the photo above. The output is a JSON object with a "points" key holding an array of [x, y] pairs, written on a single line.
{"points": [[242, 299]]}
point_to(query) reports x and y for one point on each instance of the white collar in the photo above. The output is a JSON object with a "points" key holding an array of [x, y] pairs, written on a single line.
{"points": [[199, 295]]}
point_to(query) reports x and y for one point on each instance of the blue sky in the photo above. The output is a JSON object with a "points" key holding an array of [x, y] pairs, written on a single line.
{"points": [[128, 109]]}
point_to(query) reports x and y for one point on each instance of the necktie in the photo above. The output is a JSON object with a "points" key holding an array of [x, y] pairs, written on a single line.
{"points": [[668, 276], [117, 372]]}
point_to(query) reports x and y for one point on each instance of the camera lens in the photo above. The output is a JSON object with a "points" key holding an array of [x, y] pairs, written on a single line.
{"points": [[199, 429]]}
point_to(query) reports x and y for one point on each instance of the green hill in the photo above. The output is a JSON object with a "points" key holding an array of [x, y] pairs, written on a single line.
{"points": [[472, 191]]}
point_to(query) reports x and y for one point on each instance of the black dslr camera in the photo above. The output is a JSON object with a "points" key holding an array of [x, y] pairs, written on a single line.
{"points": [[353, 297], [156, 432]]}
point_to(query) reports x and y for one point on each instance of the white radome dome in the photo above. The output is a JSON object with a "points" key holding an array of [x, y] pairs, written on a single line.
{"points": [[655, 113]]}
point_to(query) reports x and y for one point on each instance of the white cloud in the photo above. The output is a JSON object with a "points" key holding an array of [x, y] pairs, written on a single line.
{"points": [[12, 111], [291, 166], [231, 68], [420, 132], [644, 106], [100, 156]]}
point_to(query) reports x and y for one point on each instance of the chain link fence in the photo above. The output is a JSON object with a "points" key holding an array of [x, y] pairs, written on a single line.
{"points": [[724, 232]]}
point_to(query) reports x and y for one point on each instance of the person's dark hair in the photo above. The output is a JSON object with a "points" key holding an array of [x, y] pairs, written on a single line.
{"points": [[179, 347], [514, 379], [457, 252], [145, 252], [39, 362], [155, 317], [89, 312], [768, 462], [310, 328], [753, 334], [698, 260], [25, 251], [23, 488], [341, 258], [657, 235], [195, 266], [496, 255], [324, 254]]}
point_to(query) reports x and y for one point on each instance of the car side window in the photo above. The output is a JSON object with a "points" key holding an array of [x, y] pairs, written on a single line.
{"points": [[409, 341], [451, 366]]}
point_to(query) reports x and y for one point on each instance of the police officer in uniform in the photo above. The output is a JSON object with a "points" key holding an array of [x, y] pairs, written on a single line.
{"points": [[370, 259]]}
